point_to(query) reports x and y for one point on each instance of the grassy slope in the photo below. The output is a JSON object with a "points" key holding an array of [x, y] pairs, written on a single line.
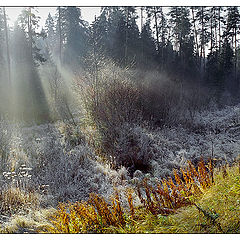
{"points": [[222, 201]]}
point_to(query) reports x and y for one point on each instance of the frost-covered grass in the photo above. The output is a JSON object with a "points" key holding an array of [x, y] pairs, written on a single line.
{"points": [[65, 164], [62, 156], [32, 222], [215, 210], [59, 159], [210, 134]]}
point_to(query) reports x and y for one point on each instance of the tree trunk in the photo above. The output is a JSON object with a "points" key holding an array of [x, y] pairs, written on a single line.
{"points": [[211, 27], [7, 47], [202, 36], [60, 35], [156, 27], [30, 29], [215, 27], [95, 66], [195, 32], [236, 57], [126, 39], [219, 28], [162, 39], [141, 33]]}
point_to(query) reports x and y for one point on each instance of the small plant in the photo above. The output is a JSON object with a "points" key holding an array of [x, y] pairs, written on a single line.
{"points": [[224, 171], [93, 216], [13, 200], [19, 178], [172, 194], [130, 202], [17, 194], [210, 215]]}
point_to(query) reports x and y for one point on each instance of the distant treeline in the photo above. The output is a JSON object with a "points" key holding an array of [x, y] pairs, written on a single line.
{"points": [[195, 46]]}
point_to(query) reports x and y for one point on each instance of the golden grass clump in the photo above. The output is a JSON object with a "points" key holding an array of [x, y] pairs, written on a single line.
{"points": [[216, 210], [36, 220], [195, 200], [93, 216], [13, 200], [130, 202]]}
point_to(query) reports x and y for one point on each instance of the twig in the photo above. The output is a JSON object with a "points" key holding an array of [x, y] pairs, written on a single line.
{"points": [[209, 216]]}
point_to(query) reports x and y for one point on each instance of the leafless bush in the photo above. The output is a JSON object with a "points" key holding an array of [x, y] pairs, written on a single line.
{"points": [[116, 99], [160, 97], [110, 101]]}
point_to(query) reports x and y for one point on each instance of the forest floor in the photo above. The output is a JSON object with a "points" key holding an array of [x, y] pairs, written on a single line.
{"points": [[56, 159], [215, 211]]}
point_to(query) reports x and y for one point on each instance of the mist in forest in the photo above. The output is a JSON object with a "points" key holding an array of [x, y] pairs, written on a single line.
{"points": [[193, 47], [98, 107]]}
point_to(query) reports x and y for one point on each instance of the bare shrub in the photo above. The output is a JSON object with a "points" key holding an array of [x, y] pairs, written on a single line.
{"points": [[110, 102], [115, 100], [159, 97]]}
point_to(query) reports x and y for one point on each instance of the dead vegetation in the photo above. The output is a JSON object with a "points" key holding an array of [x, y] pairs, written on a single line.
{"points": [[163, 197]]}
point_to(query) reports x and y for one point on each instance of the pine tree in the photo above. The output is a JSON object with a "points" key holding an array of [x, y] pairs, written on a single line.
{"points": [[7, 46], [227, 64], [183, 36], [2, 37], [232, 29], [4, 70], [100, 34], [22, 64], [119, 40], [132, 43], [148, 46], [153, 14], [203, 18], [28, 20], [162, 36], [49, 29], [114, 42], [76, 37], [27, 58], [123, 34]]}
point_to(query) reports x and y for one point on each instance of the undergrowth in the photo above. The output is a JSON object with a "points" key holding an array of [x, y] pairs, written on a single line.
{"points": [[200, 199], [163, 203]]}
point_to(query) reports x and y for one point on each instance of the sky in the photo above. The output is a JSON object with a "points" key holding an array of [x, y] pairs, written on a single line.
{"points": [[88, 13]]}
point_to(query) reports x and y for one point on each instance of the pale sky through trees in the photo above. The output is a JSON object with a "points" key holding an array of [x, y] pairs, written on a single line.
{"points": [[88, 13], [92, 107]]}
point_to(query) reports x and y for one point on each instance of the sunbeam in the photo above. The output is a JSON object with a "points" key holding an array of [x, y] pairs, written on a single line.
{"points": [[119, 119]]}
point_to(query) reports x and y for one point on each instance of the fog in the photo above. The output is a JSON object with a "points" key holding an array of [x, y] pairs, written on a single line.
{"points": [[97, 106]]}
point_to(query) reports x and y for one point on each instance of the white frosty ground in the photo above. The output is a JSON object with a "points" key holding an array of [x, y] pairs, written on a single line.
{"points": [[67, 164]]}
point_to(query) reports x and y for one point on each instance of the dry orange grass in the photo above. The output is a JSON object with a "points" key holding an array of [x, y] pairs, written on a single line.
{"points": [[98, 216], [172, 194], [93, 216]]}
